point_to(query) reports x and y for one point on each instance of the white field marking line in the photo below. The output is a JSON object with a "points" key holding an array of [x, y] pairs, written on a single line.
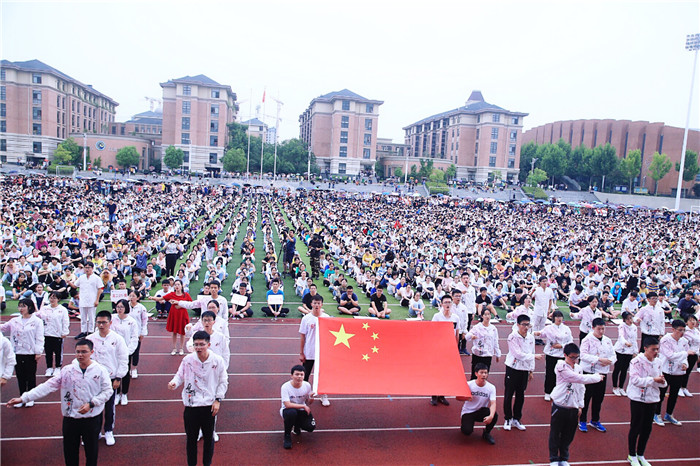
{"points": [[232, 354], [655, 460], [234, 337]]}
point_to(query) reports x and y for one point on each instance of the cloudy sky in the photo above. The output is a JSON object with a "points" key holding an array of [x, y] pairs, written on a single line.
{"points": [[555, 60]]}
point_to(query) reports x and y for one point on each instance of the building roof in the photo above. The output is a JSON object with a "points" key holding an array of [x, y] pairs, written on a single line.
{"points": [[344, 94], [253, 121], [38, 65]]}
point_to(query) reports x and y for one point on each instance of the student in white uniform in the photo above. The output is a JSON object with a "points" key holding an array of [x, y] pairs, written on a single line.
{"points": [[7, 360], [445, 314], [307, 331], [296, 401], [597, 357], [481, 406], [556, 336], [625, 350], [673, 354], [56, 329]]}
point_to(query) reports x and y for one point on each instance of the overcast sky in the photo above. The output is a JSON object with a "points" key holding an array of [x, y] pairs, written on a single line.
{"points": [[556, 60]]}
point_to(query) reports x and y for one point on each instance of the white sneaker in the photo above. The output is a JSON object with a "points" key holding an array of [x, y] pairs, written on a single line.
{"points": [[687, 393], [633, 460], [117, 399], [29, 404], [643, 461], [18, 405], [622, 392], [173, 352], [506, 425], [182, 352], [616, 391], [698, 369], [547, 397], [109, 438], [681, 393], [200, 436], [325, 401], [49, 372], [134, 373], [554, 463], [216, 437], [124, 400], [517, 424]]}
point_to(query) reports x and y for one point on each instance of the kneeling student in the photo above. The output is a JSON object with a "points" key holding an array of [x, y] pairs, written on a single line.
{"points": [[296, 399], [481, 406]]}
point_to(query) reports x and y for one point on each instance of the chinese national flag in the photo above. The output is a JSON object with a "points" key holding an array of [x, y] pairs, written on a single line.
{"points": [[380, 357]]}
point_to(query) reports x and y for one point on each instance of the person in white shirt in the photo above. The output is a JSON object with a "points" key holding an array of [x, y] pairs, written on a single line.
{"points": [[556, 335], [544, 299], [631, 303], [296, 398], [140, 315], [643, 391], [586, 315], [484, 338], [125, 325], [202, 304], [7, 360], [85, 387], [468, 296], [27, 338], [445, 314], [307, 331], [56, 329], [673, 355], [91, 287], [625, 350], [597, 357], [459, 308], [520, 364], [205, 383], [692, 334], [567, 400], [650, 318], [481, 405], [110, 351]]}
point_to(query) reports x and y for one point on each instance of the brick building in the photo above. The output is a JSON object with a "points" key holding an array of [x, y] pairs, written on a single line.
{"points": [[341, 128], [625, 136], [479, 138], [392, 155], [196, 111], [41, 106]]}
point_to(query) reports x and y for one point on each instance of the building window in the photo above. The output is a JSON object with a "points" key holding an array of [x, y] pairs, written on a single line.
{"points": [[366, 153], [343, 137], [368, 140], [511, 163], [185, 107], [496, 117], [214, 94], [513, 135], [186, 158], [342, 169], [3, 110], [368, 124], [345, 121], [186, 123], [494, 133], [369, 108], [478, 133], [2, 75], [511, 149], [343, 151], [346, 105], [514, 120], [212, 158], [3, 145], [185, 139], [186, 90], [36, 147], [478, 118], [214, 126], [36, 78], [492, 161], [114, 130], [36, 129], [36, 113], [213, 141], [3, 126], [494, 148], [121, 130], [3, 93], [215, 110]]}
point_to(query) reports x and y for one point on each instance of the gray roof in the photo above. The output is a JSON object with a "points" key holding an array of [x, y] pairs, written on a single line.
{"points": [[150, 114], [254, 121], [473, 107], [345, 94]]}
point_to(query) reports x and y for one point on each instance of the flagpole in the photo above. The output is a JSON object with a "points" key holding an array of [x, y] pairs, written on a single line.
{"points": [[262, 142], [250, 113]]}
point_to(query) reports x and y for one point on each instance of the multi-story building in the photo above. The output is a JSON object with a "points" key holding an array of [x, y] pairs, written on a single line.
{"points": [[392, 155], [148, 124], [41, 106], [625, 136], [341, 128], [257, 129], [196, 111], [481, 139]]}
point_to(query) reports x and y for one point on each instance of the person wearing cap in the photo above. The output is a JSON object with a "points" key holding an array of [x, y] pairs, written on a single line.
{"points": [[650, 318]]}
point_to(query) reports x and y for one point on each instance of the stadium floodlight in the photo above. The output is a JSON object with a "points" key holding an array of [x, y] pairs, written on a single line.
{"points": [[692, 44]]}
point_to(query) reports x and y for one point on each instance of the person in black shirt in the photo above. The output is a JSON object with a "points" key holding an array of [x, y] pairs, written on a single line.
{"points": [[315, 246], [378, 304]]}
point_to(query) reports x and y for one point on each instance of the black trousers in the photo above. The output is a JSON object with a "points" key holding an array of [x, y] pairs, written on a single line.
{"points": [[26, 372], [110, 412], [53, 347], [550, 379], [692, 360], [134, 359], [641, 417], [170, 262], [126, 380], [595, 392], [268, 312], [674, 383], [469, 419], [581, 336], [196, 419], [298, 418], [619, 374], [515, 385], [308, 368], [87, 429], [479, 359], [562, 428]]}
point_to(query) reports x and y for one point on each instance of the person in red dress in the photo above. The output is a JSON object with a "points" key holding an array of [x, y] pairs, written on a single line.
{"points": [[178, 317]]}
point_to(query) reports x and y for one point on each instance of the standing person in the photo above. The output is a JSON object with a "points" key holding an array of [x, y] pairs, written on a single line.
{"points": [[8, 361], [673, 356], [307, 330], [520, 364], [625, 350], [481, 406], [567, 401], [178, 317], [597, 357], [205, 383], [468, 297], [315, 247], [111, 352], [56, 329], [692, 334], [91, 287], [557, 336], [210, 245], [27, 337], [125, 325], [646, 379], [140, 315], [484, 337], [173, 249], [586, 315], [445, 314], [459, 308], [650, 318], [296, 401], [544, 299], [85, 387], [289, 243]]}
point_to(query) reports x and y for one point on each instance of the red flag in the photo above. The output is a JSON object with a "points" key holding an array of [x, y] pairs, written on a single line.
{"points": [[379, 357], [264, 91]]}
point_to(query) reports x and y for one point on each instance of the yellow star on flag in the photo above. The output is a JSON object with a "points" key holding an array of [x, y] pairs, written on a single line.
{"points": [[365, 357], [375, 349], [365, 326], [375, 336], [342, 337]]}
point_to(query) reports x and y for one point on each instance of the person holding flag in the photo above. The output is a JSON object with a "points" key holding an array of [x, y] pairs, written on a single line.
{"points": [[446, 315], [481, 405], [296, 401], [307, 329]]}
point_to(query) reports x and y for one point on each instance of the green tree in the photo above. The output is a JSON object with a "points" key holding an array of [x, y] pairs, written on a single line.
{"points": [[61, 156], [379, 170], [658, 168], [127, 156], [76, 153], [691, 168], [552, 159], [97, 163], [414, 171], [537, 176], [577, 165], [451, 172], [497, 175], [293, 157], [527, 153], [630, 166], [437, 176], [565, 146], [426, 168], [604, 162], [238, 137], [234, 161], [398, 173], [173, 157]]}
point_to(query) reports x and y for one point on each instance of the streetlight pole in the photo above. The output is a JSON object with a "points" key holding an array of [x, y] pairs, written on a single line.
{"points": [[84, 151], [532, 165], [405, 172], [692, 44]]}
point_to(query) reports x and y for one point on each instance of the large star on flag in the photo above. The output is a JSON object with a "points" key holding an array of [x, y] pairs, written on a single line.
{"points": [[342, 337]]}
